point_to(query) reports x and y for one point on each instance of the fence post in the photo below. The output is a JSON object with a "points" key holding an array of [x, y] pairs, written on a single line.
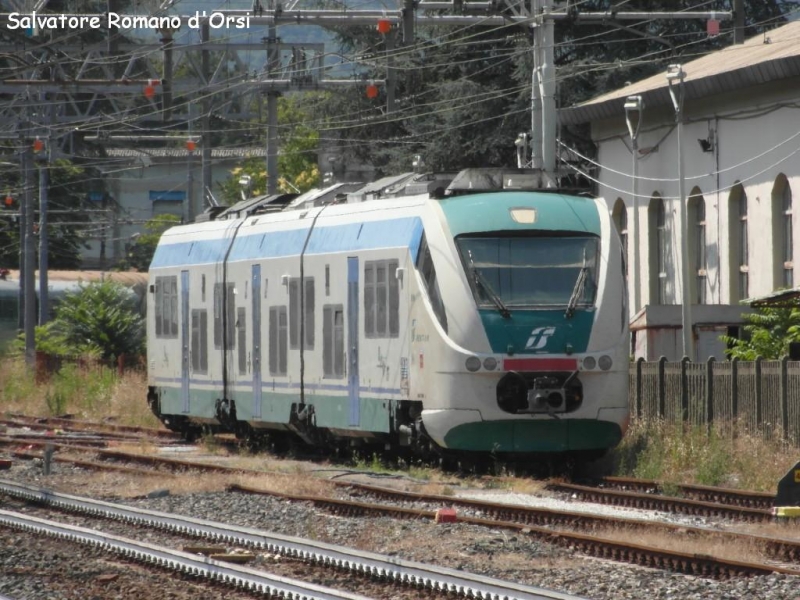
{"points": [[639, 399], [758, 392], [734, 390], [709, 393], [685, 388], [785, 397], [662, 387]]}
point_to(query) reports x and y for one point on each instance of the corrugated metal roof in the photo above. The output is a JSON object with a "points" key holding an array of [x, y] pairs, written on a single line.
{"points": [[771, 56], [246, 152]]}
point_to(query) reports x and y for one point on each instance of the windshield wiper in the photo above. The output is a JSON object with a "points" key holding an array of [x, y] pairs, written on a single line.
{"points": [[577, 291], [487, 288]]}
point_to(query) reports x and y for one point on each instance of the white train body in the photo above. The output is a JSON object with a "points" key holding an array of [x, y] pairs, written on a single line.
{"points": [[487, 323]]}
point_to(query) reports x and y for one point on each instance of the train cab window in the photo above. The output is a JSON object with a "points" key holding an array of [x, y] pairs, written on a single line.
{"points": [[277, 340], [381, 299], [428, 272], [241, 333], [228, 305], [167, 307], [294, 313], [200, 341], [333, 341]]}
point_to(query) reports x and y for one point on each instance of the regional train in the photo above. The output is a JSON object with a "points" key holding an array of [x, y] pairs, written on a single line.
{"points": [[487, 320]]}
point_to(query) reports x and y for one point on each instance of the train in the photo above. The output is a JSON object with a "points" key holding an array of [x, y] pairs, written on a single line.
{"points": [[484, 319]]}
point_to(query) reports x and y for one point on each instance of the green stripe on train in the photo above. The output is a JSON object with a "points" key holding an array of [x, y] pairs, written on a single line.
{"points": [[562, 435], [554, 212], [330, 411]]}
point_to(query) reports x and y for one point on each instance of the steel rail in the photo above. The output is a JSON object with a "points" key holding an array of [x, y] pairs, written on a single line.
{"points": [[442, 579], [662, 503], [177, 560], [748, 498]]}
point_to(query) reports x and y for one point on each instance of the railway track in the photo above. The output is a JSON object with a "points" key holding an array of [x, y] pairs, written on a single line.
{"points": [[749, 499], [527, 520], [391, 570], [671, 504]]}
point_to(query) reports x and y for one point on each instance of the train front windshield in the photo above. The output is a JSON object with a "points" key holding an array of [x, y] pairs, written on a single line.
{"points": [[531, 272]]}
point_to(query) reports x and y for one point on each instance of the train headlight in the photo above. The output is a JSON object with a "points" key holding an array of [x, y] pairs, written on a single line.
{"points": [[473, 364], [605, 362], [489, 363], [589, 362]]}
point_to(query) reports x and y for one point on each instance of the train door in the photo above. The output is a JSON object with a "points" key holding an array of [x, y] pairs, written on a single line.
{"points": [[352, 340], [185, 341], [256, 289]]}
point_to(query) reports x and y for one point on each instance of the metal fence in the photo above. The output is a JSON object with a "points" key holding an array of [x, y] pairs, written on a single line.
{"points": [[761, 396]]}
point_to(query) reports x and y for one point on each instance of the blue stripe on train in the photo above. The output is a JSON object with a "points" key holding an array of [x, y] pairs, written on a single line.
{"points": [[393, 233]]}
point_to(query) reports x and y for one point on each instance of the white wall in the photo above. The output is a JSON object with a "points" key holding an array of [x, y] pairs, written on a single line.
{"points": [[751, 150]]}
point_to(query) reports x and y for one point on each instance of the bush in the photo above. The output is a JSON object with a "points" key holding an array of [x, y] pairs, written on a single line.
{"points": [[100, 320]]}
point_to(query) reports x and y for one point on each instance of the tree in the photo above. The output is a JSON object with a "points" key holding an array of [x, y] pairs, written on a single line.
{"points": [[297, 159], [768, 333], [140, 252], [464, 95], [100, 320]]}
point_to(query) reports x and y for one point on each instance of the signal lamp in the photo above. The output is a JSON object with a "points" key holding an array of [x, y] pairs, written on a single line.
{"points": [[9, 201], [384, 26], [191, 145], [372, 91], [149, 89], [38, 145]]}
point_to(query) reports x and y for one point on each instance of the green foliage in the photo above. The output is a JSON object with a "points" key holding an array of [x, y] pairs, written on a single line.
{"points": [[140, 252], [99, 320], [297, 161], [768, 333]]}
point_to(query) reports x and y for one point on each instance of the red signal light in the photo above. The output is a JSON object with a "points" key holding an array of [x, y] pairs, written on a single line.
{"points": [[9, 201], [191, 145], [38, 145], [384, 26], [372, 91]]}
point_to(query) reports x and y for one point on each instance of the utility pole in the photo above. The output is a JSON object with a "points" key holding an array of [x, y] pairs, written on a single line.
{"points": [[634, 109], [536, 98], [205, 120], [29, 251], [273, 70], [738, 21], [547, 87], [675, 77], [44, 165]]}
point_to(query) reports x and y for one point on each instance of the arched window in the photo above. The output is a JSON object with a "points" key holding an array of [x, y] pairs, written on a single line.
{"points": [[738, 251], [697, 248], [659, 249], [620, 217], [783, 244]]}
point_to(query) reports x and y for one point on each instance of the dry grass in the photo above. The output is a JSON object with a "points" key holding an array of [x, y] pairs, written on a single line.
{"points": [[680, 454]]}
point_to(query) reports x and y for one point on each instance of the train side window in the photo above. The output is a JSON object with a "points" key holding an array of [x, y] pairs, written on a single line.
{"points": [[428, 272], [294, 313], [327, 280], [230, 312], [277, 340], [203, 289], [167, 307], [242, 340], [381, 299], [200, 341], [333, 341]]}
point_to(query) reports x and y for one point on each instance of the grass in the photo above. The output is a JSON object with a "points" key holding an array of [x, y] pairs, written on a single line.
{"points": [[668, 452], [86, 392], [676, 453]]}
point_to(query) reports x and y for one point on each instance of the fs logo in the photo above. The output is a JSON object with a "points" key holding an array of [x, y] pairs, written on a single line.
{"points": [[539, 337]]}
